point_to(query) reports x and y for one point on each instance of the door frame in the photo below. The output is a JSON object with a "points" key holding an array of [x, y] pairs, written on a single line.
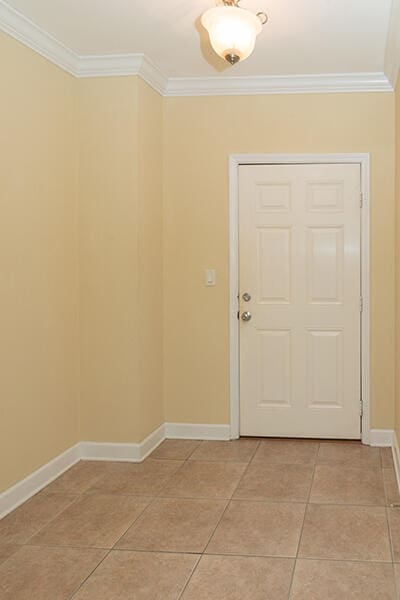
{"points": [[235, 160]]}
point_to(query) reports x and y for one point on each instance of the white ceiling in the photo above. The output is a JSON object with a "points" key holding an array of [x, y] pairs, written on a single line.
{"points": [[302, 36]]}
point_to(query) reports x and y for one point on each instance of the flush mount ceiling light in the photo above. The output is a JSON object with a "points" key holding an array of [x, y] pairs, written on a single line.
{"points": [[233, 30]]}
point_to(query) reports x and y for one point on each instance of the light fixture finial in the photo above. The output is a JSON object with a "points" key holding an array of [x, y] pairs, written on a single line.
{"points": [[232, 58]]}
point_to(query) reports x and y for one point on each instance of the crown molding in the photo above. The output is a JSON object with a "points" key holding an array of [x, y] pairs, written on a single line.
{"points": [[28, 33], [109, 66], [286, 84], [392, 55], [153, 76], [117, 65]]}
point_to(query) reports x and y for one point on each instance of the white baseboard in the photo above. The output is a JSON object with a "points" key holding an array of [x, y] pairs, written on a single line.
{"points": [[23, 490], [152, 441], [31, 485], [194, 431], [137, 452], [396, 458], [381, 437], [123, 452]]}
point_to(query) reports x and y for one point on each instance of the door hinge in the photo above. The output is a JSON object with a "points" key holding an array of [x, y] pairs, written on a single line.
{"points": [[361, 407], [361, 199], [361, 304]]}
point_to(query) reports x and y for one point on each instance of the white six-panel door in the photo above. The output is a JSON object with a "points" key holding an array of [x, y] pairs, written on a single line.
{"points": [[299, 261]]}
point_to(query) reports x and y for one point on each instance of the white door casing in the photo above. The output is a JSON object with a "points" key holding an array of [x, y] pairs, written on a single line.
{"points": [[300, 261]]}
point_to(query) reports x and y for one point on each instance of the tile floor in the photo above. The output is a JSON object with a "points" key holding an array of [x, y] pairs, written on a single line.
{"points": [[242, 520]]}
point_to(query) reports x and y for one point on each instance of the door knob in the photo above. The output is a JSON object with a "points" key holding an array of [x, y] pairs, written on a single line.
{"points": [[246, 316]]}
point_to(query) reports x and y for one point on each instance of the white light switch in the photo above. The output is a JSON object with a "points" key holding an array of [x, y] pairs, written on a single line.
{"points": [[210, 277]]}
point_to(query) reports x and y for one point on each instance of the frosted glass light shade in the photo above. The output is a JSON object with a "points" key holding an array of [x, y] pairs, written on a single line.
{"points": [[232, 31]]}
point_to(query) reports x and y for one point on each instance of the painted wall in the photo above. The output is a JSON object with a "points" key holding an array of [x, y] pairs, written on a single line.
{"points": [[150, 404], [397, 372], [38, 262], [113, 202], [120, 259], [199, 134]]}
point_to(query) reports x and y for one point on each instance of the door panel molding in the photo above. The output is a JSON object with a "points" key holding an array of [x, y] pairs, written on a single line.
{"points": [[235, 161]]}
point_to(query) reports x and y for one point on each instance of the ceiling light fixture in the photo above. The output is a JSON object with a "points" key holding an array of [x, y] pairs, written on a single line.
{"points": [[233, 30]]}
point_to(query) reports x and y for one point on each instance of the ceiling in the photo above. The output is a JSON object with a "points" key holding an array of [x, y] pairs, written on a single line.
{"points": [[302, 37]]}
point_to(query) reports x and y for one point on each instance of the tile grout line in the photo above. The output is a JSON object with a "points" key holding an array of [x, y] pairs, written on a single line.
{"points": [[389, 531], [194, 450], [249, 499], [389, 534], [304, 520], [73, 594], [305, 558], [381, 457], [396, 581], [396, 586], [203, 553], [79, 497], [190, 577], [233, 554], [58, 514], [166, 483], [229, 502], [132, 524], [93, 481]]}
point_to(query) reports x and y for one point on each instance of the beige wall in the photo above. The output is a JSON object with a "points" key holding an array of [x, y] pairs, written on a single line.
{"points": [[199, 134], [120, 259], [150, 291], [38, 262], [397, 178], [90, 316]]}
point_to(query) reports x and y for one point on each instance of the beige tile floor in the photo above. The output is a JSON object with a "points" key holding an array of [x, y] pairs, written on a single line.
{"points": [[243, 520]]}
